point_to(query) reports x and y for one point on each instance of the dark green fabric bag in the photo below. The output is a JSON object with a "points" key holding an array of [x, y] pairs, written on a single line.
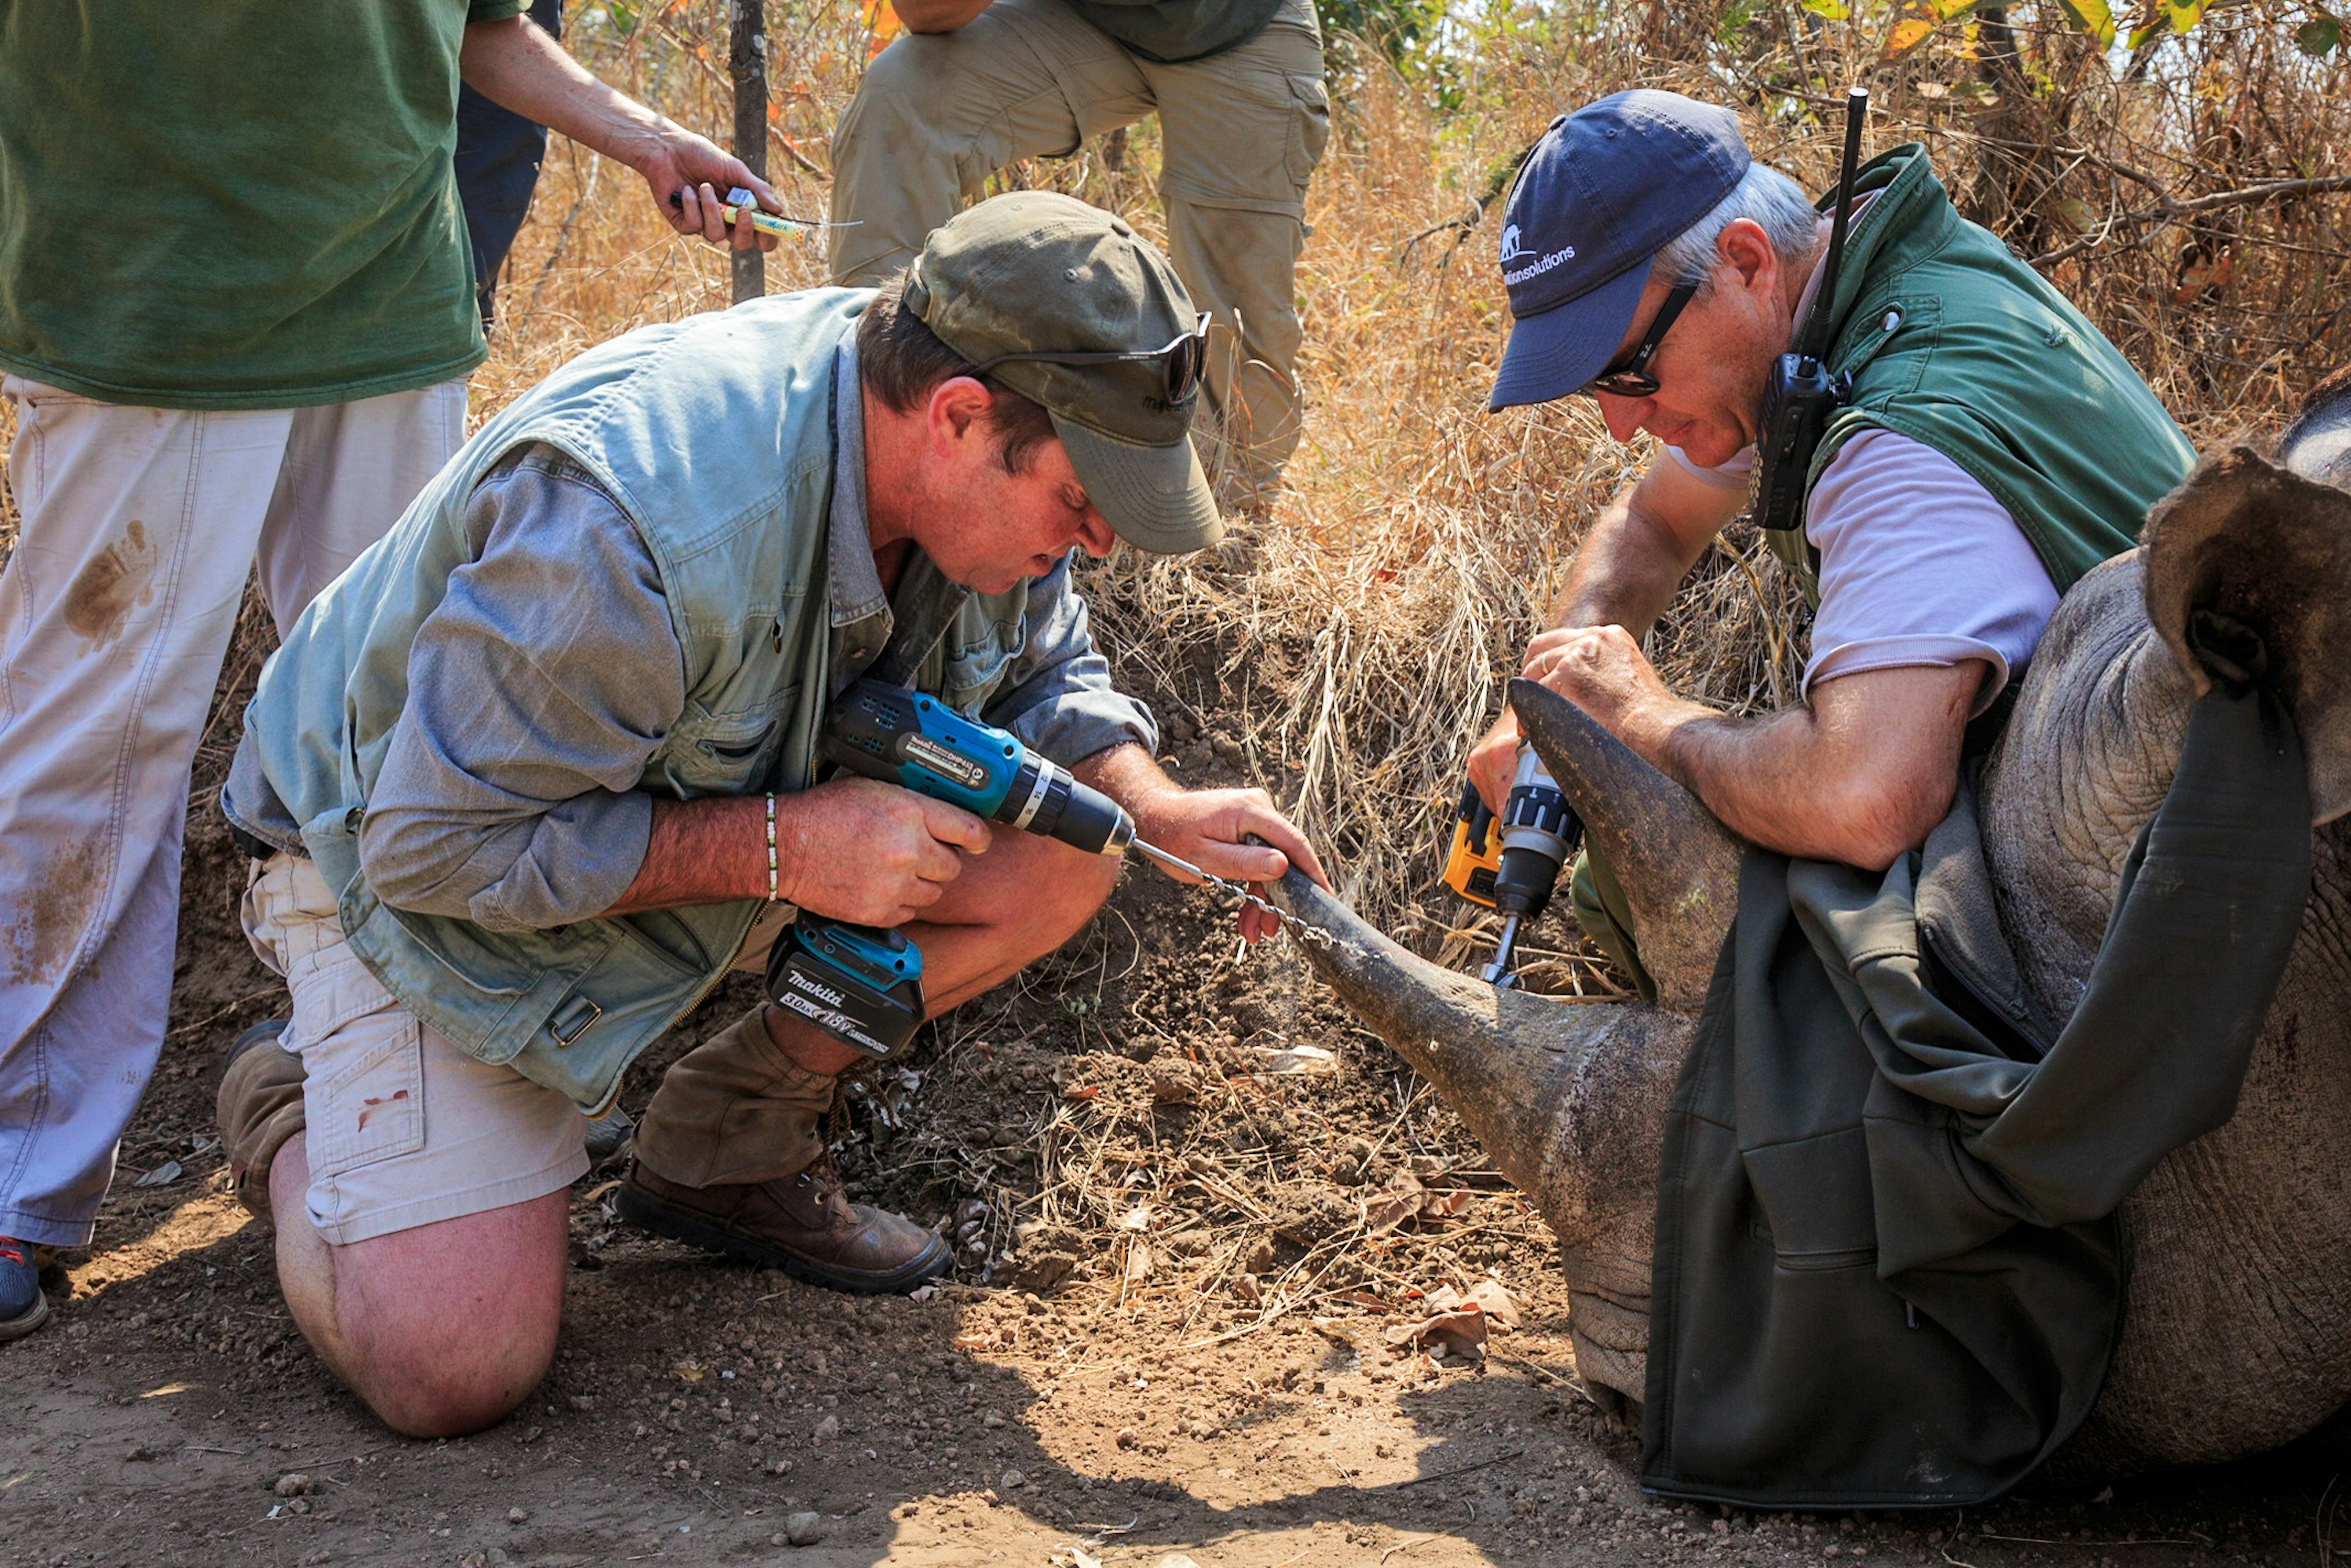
{"points": [[1888, 1273], [1176, 32]]}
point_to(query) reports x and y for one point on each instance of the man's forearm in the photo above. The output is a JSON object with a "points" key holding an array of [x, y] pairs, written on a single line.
{"points": [[1860, 774], [1128, 774], [514, 63], [1626, 571], [701, 851], [1763, 778]]}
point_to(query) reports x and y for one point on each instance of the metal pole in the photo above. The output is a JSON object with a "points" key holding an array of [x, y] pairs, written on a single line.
{"points": [[747, 62]]}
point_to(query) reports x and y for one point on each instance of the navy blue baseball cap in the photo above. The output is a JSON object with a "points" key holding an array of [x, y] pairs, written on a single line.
{"points": [[1605, 189]]}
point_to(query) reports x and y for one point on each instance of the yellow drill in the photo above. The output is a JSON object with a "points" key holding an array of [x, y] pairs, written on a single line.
{"points": [[1512, 864]]}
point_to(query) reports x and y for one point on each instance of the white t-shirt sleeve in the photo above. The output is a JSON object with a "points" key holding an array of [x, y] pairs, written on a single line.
{"points": [[1739, 474], [1918, 565]]}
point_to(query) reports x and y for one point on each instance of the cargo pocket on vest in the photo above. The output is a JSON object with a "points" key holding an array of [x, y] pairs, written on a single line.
{"points": [[974, 674], [374, 1105], [725, 753], [1816, 1200]]}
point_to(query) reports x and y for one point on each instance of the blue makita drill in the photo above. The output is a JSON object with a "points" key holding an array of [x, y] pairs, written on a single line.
{"points": [[863, 985]]}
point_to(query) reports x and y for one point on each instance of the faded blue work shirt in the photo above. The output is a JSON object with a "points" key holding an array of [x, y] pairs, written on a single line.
{"points": [[550, 672]]}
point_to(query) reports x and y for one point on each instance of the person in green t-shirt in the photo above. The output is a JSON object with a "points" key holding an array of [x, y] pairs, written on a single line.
{"points": [[237, 311], [1243, 119]]}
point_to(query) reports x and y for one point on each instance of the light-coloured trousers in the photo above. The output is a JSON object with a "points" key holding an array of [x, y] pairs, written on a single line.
{"points": [[139, 528], [1241, 132]]}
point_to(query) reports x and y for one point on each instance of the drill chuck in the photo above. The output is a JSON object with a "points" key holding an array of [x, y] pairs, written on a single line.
{"points": [[1538, 830], [1047, 800]]}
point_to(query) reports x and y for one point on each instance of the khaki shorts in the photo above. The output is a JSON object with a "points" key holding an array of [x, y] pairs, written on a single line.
{"points": [[403, 1128]]}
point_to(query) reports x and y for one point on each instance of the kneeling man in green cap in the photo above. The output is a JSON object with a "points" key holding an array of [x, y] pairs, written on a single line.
{"points": [[528, 780]]}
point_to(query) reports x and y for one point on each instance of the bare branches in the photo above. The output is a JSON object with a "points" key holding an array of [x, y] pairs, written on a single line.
{"points": [[2167, 210]]}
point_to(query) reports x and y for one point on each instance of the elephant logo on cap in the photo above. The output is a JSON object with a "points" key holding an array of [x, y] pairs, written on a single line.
{"points": [[1511, 248]]}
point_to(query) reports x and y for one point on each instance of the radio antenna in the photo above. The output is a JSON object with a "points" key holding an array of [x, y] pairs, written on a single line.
{"points": [[1816, 331]]}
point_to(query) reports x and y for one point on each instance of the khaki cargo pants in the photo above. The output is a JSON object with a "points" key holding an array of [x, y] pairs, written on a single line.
{"points": [[940, 113]]}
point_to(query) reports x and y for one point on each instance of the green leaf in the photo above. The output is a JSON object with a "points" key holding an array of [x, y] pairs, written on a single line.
{"points": [[2095, 18], [622, 16], [2317, 38], [1947, 10], [1827, 10], [2183, 13]]}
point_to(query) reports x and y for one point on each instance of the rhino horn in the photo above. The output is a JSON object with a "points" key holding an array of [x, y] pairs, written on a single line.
{"points": [[1567, 1097], [1678, 865], [1503, 1059]]}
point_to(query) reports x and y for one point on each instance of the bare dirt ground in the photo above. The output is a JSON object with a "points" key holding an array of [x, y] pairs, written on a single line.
{"points": [[1188, 1244]]}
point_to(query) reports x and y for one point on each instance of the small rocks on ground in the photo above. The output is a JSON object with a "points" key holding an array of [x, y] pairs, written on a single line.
{"points": [[292, 1484], [803, 1528]]}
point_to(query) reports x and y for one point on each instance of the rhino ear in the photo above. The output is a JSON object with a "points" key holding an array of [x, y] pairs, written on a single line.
{"points": [[2248, 575]]}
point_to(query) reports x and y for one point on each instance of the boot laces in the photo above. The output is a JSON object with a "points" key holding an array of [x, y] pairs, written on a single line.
{"points": [[12, 1251], [829, 1191]]}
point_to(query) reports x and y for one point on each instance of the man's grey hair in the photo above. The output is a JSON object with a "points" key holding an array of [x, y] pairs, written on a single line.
{"points": [[1770, 199]]}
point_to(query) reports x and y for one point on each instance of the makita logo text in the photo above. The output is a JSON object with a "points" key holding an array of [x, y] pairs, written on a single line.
{"points": [[928, 753], [839, 1025], [825, 994], [1539, 267]]}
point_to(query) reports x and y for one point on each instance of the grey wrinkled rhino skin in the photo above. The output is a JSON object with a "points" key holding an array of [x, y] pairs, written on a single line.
{"points": [[2237, 1330]]}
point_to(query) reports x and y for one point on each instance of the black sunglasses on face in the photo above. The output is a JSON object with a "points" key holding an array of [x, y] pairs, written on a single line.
{"points": [[1183, 360], [1633, 378]]}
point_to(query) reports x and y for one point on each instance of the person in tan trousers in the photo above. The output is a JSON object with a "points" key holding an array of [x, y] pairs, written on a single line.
{"points": [[1243, 116]]}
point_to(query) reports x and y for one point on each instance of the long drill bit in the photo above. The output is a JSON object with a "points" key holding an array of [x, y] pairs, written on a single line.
{"points": [[1300, 929]]}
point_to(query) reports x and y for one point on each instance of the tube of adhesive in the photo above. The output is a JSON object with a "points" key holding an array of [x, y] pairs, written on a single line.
{"points": [[741, 202]]}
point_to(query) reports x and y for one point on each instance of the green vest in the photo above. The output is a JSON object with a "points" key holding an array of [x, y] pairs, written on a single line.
{"points": [[716, 436], [1171, 32], [1951, 340]]}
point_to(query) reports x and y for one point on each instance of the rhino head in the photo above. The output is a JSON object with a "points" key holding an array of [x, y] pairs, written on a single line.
{"points": [[2237, 1331]]}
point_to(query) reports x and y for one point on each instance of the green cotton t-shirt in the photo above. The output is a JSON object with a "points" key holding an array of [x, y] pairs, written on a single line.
{"points": [[234, 204]]}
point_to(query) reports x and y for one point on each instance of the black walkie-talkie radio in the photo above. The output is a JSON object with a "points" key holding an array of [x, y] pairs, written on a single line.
{"points": [[1802, 394]]}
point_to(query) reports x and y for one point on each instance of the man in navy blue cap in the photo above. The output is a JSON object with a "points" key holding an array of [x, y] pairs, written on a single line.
{"points": [[1991, 446]]}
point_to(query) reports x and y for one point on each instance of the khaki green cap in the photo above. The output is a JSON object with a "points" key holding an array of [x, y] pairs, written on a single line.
{"points": [[1038, 271]]}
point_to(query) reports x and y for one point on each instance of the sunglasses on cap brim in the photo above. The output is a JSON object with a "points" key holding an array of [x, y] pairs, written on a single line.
{"points": [[1183, 360]]}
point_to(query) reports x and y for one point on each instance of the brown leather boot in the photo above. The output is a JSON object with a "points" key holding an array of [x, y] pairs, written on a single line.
{"points": [[801, 1224], [260, 1106], [730, 1158]]}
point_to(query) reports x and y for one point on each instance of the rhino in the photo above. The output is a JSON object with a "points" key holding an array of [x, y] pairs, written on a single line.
{"points": [[2236, 1335]]}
